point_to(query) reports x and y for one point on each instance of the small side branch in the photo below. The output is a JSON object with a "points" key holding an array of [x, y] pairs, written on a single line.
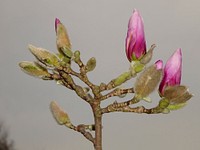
{"points": [[82, 129], [117, 92], [139, 109]]}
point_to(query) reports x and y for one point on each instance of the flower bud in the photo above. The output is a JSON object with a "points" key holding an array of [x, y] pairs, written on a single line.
{"points": [[77, 56], [44, 56], [135, 40], [147, 81], [172, 71], [34, 69], [63, 42], [60, 116]]}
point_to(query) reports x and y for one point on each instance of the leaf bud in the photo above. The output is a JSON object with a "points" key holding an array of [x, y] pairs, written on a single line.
{"points": [[91, 64]]}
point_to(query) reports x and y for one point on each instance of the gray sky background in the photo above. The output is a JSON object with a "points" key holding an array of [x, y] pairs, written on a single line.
{"points": [[97, 28]]}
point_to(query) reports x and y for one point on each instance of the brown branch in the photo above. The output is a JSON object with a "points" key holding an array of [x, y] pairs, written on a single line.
{"points": [[139, 109], [82, 129], [112, 107], [117, 92]]}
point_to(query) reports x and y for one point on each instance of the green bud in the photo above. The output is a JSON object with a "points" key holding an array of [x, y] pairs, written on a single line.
{"points": [[76, 56], [44, 56], [164, 103], [60, 116], [91, 64], [80, 91], [147, 82], [34, 69]]}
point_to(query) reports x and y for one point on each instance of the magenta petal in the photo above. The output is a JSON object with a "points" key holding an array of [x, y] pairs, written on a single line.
{"points": [[57, 21], [159, 64], [172, 71], [135, 39]]}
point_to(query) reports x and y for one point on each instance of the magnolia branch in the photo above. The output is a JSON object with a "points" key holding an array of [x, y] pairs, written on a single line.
{"points": [[82, 129], [139, 109], [117, 92]]}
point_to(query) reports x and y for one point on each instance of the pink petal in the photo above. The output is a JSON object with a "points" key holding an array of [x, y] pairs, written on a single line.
{"points": [[135, 40], [57, 21], [159, 64], [172, 71]]}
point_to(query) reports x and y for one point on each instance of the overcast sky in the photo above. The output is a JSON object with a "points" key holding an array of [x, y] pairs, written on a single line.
{"points": [[96, 28]]}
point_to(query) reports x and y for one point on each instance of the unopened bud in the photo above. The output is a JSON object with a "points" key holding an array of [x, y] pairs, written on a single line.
{"points": [[33, 69], [60, 116], [147, 81], [63, 42], [44, 56], [91, 64], [76, 56]]}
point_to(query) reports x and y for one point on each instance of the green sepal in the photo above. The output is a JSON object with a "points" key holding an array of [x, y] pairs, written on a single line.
{"points": [[138, 67], [164, 103], [148, 56], [66, 51], [176, 106]]}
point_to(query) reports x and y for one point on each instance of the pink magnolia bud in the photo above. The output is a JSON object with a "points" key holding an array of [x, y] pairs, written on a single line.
{"points": [[172, 71], [57, 21], [135, 39]]}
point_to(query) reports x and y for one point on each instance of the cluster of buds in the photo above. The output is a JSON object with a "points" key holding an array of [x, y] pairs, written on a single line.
{"points": [[174, 95], [50, 66]]}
